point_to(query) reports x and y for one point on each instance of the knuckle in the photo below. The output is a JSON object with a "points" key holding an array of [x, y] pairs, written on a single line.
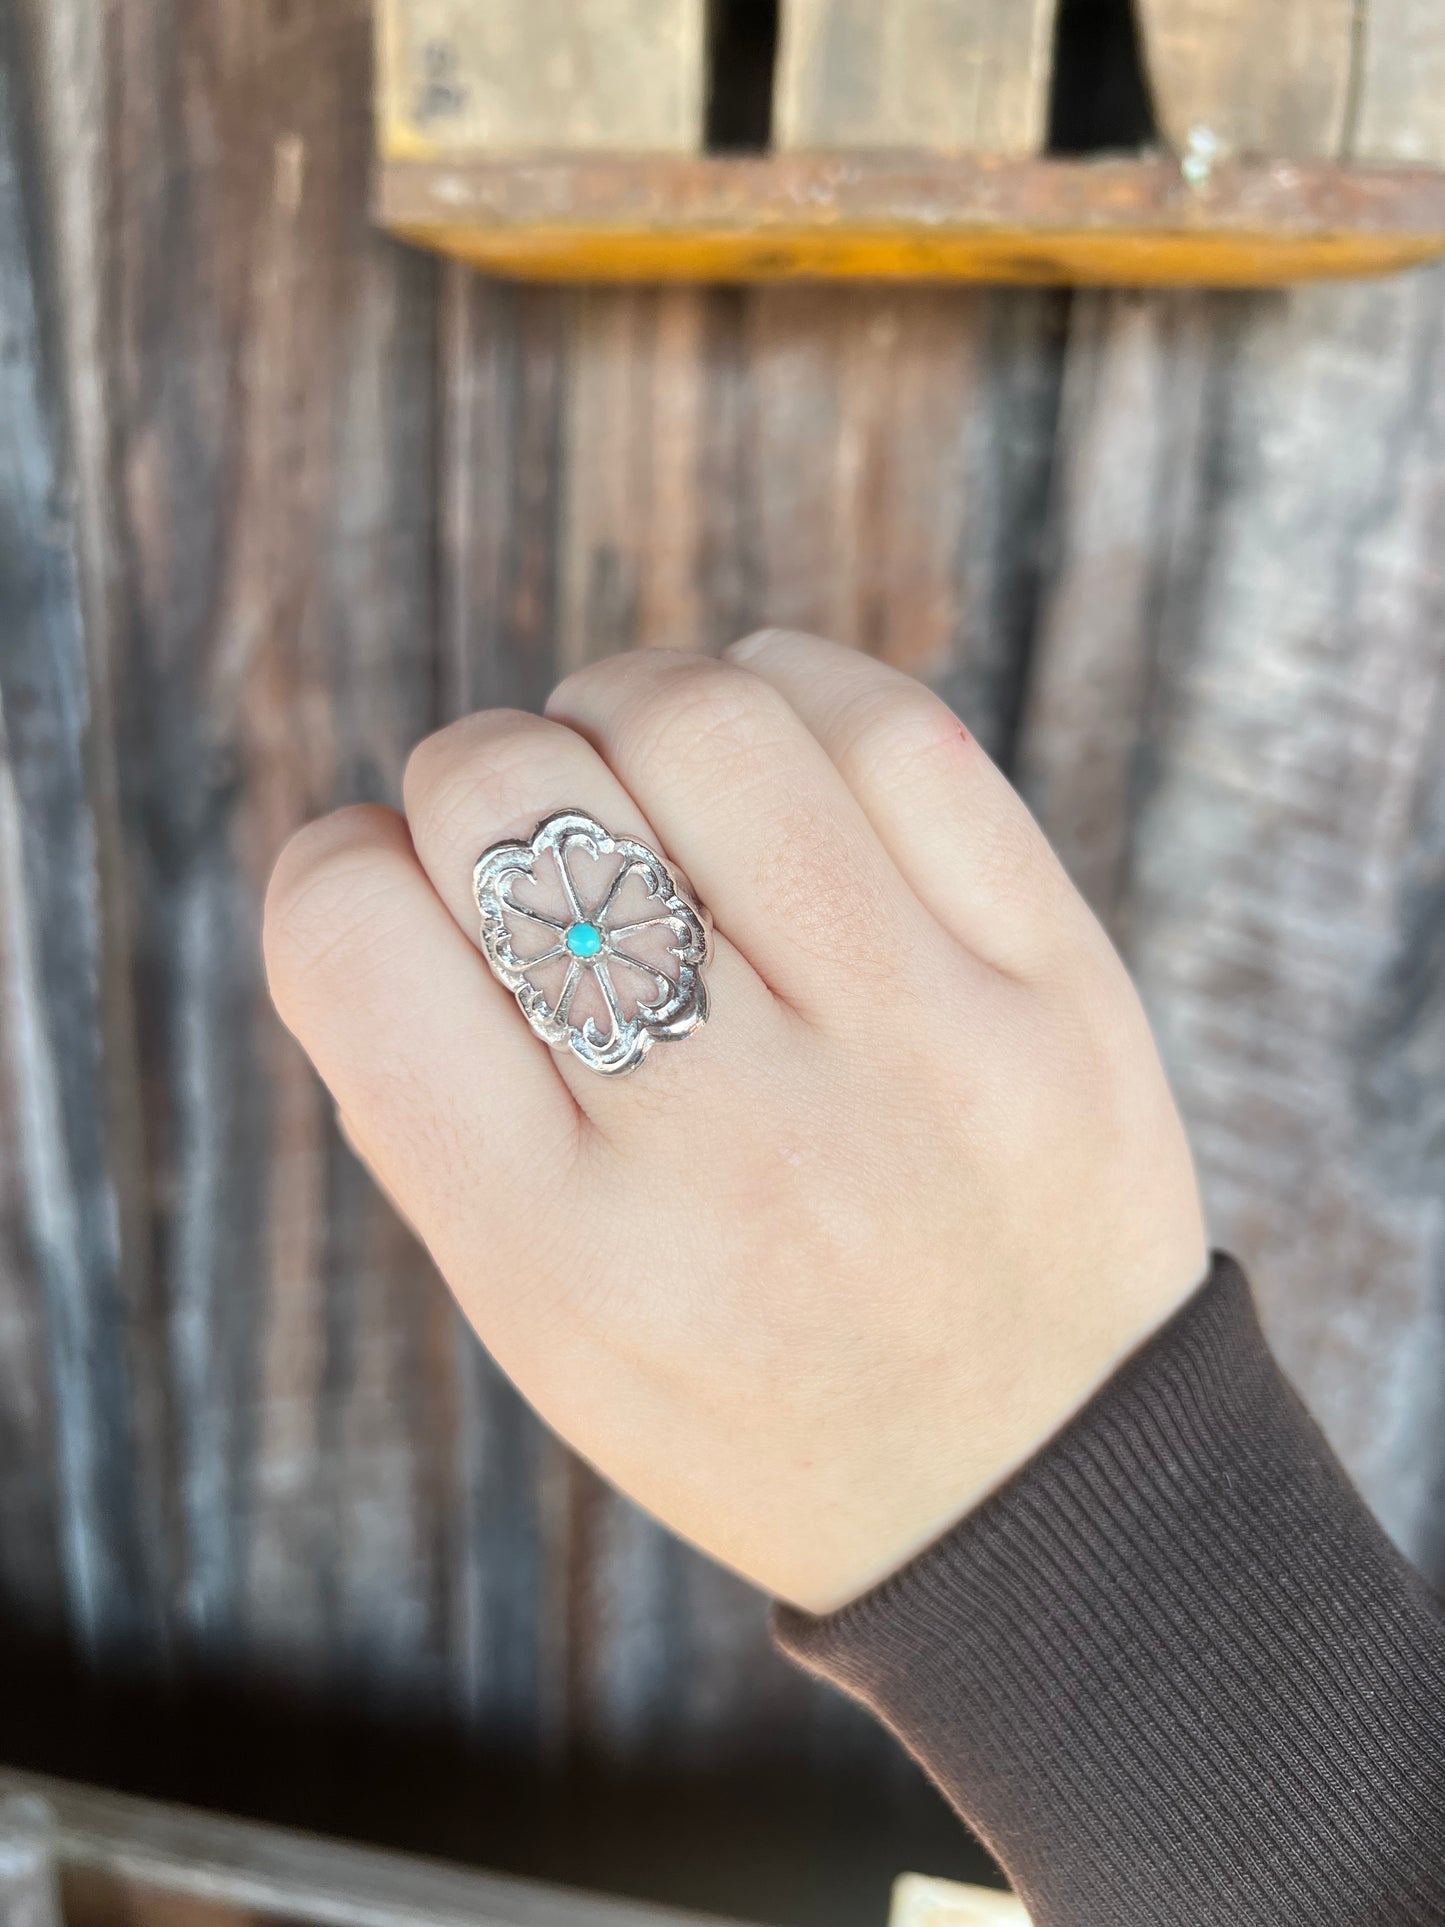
{"points": [[705, 711], [596, 685], [477, 773], [886, 737]]}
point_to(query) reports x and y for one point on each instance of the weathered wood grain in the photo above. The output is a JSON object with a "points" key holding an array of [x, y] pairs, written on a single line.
{"points": [[1400, 108], [635, 421], [1229, 77], [524, 74], [943, 74], [29, 1877], [1234, 733], [32, 1509], [903, 450], [871, 466], [279, 496], [279, 380], [674, 467], [1129, 429], [502, 369], [79, 1175]]}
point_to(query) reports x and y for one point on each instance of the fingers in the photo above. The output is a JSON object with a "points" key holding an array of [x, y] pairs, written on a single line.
{"points": [[423, 1051], [754, 811], [495, 776], [951, 822]]}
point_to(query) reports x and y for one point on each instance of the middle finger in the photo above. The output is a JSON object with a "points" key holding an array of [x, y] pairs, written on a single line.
{"points": [[491, 778], [758, 816]]}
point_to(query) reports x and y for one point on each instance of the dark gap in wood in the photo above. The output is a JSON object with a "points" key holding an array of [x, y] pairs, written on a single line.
{"points": [[1032, 497], [1100, 97], [1354, 99], [742, 52]]}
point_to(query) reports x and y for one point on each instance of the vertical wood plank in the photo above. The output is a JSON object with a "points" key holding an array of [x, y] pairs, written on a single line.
{"points": [[901, 448], [503, 361], [61, 939], [1125, 478], [1276, 873], [1231, 77], [939, 74], [1400, 112], [29, 1875], [633, 518], [273, 363], [518, 74], [870, 466], [34, 1500], [32, 1575], [503, 373]]}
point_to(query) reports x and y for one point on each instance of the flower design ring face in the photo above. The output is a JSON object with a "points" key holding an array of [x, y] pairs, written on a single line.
{"points": [[602, 945]]}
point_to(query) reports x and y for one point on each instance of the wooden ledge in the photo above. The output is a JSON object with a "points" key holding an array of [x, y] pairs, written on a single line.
{"points": [[775, 217]]}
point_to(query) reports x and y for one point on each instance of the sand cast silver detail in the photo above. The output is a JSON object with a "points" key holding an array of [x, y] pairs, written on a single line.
{"points": [[594, 937]]}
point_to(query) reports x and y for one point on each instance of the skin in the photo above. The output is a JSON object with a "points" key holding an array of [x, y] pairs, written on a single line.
{"points": [[815, 1281]]}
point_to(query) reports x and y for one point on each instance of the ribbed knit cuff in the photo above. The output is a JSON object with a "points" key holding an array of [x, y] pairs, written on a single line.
{"points": [[1173, 1673]]}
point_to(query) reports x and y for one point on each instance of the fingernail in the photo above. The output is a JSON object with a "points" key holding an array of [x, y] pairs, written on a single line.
{"points": [[749, 646]]}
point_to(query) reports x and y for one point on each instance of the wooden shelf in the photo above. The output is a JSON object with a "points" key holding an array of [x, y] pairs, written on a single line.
{"points": [[914, 217]]}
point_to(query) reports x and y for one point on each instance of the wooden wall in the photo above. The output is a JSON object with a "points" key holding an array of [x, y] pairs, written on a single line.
{"points": [[278, 496]]}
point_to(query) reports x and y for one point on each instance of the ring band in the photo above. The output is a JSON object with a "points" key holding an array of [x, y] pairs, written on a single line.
{"points": [[555, 960]]}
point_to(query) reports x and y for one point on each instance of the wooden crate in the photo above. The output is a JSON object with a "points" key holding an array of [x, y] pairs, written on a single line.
{"points": [[549, 141]]}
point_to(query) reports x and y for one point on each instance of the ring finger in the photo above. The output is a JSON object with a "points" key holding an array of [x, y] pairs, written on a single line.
{"points": [[492, 778], [758, 813]]}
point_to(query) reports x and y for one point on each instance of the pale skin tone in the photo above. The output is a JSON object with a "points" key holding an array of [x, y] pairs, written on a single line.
{"points": [[814, 1281]]}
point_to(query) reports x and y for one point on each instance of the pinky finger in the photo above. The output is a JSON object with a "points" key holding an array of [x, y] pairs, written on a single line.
{"points": [[950, 819]]}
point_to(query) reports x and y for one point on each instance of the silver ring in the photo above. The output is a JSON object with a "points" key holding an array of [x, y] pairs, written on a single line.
{"points": [[604, 965]]}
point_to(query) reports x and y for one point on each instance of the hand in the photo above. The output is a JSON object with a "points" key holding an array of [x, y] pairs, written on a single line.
{"points": [[815, 1280]]}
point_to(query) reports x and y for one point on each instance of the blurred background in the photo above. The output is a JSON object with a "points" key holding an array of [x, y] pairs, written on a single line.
{"points": [[278, 496]]}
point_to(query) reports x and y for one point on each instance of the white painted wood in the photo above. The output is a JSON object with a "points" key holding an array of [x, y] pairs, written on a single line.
{"points": [[919, 1902]]}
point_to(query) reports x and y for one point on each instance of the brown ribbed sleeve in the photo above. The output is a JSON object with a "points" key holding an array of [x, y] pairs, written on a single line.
{"points": [[1173, 1673]]}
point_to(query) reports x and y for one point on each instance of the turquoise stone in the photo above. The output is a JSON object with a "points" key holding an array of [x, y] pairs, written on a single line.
{"points": [[584, 940]]}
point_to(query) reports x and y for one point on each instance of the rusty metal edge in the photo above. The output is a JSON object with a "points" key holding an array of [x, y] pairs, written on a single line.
{"points": [[922, 194]]}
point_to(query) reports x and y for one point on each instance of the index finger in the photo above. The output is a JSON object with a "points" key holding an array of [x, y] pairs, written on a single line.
{"points": [[416, 1041]]}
